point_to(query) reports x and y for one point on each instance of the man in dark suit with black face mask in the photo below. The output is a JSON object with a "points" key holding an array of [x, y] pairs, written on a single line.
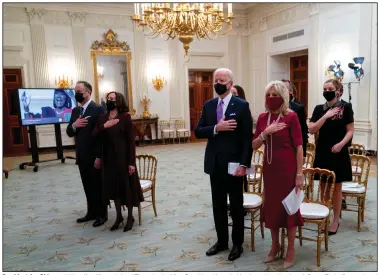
{"points": [[88, 151], [300, 110], [226, 122]]}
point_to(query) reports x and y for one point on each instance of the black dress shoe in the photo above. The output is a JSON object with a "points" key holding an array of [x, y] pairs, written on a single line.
{"points": [[85, 219], [236, 252], [215, 249], [99, 222]]}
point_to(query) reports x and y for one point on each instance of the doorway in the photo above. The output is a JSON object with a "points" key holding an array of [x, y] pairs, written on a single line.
{"points": [[200, 90], [299, 77], [15, 137]]}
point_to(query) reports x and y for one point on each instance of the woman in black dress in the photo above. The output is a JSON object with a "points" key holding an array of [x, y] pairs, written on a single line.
{"points": [[120, 178], [334, 124]]}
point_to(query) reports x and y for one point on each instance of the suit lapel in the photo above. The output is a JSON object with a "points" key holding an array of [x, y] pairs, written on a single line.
{"points": [[230, 107], [213, 111], [87, 111]]}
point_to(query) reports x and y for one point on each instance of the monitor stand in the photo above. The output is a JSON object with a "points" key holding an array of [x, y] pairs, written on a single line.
{"points": [[34, 148]]}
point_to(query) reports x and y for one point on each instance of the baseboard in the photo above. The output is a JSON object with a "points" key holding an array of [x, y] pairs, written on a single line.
{"points": [[371, 153]]}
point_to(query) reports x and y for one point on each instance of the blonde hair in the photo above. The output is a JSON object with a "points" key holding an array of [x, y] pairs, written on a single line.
{"points": [[279, 88]]}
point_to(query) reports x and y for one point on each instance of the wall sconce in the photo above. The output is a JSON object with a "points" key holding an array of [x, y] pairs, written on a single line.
{"points": [[159, 83], [63, 82], [100, 72]]}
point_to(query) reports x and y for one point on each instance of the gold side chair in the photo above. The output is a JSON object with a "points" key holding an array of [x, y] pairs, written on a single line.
{"points": [[181, 131], [357, 188], [311, 147], [166, 129], [253, 200], [147, 165], [357, 149], [316, 207], [309, 160], [258, 156]]}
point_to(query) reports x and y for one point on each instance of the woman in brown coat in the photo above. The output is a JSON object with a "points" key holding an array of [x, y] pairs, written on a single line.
{"points": [[120, 178]]}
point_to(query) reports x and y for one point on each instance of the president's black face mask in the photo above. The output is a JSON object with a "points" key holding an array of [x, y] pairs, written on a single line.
{"points": [[220, 89]]}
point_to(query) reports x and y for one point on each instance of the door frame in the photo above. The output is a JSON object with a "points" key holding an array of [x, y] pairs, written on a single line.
{"points": [[213, 92], [23, 85], [269, 62], [214, 60]]}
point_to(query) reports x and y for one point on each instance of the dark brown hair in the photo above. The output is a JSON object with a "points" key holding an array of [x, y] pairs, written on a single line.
{"points": [[240, 90], [86, 85], [335, 83], [120, 102]]}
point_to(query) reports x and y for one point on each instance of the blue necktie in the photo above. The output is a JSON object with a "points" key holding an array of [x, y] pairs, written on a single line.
{"points": [[81, 111]]}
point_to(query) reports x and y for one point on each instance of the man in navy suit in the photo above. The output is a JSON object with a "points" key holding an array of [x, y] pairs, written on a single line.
{"points": [[88, 152], [226, 122], [300, 110]]}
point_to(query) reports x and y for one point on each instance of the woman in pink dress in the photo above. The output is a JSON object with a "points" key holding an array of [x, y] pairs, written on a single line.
{"points": [[279, 130]]}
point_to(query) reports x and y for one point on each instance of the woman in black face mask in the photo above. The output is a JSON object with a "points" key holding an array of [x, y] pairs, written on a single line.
{"points": [[334, 124], [120, 178]]}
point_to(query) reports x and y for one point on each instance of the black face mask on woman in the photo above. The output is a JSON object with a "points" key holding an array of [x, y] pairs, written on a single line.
{"points": [[220, 89], [329, 95], [110, 105]]}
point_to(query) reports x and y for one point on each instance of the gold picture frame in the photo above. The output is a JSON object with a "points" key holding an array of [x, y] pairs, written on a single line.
{"points": [[110, 46]]}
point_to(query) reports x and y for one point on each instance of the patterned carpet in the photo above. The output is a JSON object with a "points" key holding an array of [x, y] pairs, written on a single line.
{"points": [[40, 232]]}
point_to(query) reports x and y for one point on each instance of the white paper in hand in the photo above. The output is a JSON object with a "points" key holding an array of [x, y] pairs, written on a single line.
{"points": [[232, 166], [293, 201]]}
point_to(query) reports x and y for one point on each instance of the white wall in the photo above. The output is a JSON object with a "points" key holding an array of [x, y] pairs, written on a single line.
{"points": [[331, 32], [248, 51]]}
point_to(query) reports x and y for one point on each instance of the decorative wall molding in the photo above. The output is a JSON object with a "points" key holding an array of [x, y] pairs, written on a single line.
{"points": [[77, 18], [36, 15], [16, 48], [263, 24], [60, 17], [313, 8]]}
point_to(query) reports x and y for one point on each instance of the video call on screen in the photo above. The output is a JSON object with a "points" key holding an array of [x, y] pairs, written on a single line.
{"points": [[46, 106]]}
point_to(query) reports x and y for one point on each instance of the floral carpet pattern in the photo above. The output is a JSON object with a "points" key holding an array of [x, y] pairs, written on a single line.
{"points": [[40, 232]]}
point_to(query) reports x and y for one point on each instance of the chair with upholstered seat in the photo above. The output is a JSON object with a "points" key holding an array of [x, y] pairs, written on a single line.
{"points": [[147, 165], [252, 202], [181, 131], [166, 130], [357, 188], [316, 207]]}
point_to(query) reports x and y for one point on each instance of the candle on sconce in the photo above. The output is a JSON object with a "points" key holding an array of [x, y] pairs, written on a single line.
{"points": [[135, 8], [221, 7], [229, 8]]}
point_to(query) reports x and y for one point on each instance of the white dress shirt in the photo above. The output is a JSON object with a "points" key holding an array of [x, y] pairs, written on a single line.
{"points": [[84, 109]]}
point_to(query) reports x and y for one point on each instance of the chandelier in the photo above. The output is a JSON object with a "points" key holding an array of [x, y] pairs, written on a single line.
{"points": [[183, 20]]}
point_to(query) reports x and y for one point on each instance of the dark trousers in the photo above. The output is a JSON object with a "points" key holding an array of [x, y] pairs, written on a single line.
{"points": [[91, 178], [221, 185]]}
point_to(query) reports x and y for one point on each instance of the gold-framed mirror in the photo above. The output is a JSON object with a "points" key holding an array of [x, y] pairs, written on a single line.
{"points": [[111, 64]]}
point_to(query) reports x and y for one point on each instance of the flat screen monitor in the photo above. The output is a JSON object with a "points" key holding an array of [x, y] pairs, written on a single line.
{"points": [[45, 106]]}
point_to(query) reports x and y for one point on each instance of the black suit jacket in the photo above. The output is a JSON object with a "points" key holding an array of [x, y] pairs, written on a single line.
{"points": [[225, 147], [300, 110], [88, 147]]}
